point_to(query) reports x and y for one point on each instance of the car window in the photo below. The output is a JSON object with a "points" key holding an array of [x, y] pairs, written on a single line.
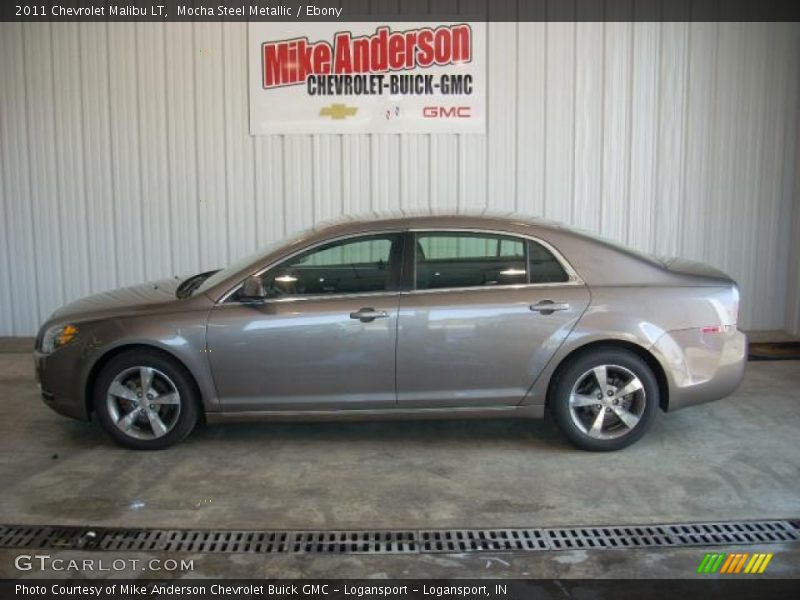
{"points": [[543, 266], [452, 260], [344, 267]]}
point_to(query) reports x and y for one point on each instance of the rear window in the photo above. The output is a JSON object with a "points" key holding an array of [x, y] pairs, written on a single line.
{"points": [[543, 266], [453, 260], [457, 260]]}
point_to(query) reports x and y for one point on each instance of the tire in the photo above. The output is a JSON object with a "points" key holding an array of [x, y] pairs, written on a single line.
{"points": [[576, 406], [123, 408]]}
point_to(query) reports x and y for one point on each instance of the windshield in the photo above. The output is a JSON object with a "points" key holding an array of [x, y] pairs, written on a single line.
{"points": [[235, 267], [190, 284]]}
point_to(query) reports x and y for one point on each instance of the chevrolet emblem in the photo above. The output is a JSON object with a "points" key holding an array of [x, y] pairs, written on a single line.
{"points": [[338, 111]]}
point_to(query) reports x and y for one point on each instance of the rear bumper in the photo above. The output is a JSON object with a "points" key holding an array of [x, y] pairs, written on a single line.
{"points": [[701, 367], [56, 376]]}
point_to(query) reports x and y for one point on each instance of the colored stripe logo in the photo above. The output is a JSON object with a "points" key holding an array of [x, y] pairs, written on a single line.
{"points": [[734, 563]]}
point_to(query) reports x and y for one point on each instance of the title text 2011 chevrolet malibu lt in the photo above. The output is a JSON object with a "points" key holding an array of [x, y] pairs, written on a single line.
{"points": [[415, 317]]}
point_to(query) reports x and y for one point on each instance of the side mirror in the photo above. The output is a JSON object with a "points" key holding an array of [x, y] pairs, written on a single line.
{"points": [[253, 289]]}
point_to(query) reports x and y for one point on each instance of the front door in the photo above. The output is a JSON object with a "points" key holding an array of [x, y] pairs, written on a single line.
{"points": [[325, 337], [484, 316]]}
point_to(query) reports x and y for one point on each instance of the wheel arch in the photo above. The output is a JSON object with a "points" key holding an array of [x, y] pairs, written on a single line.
{"points": [[111, 353], [648, 357]]}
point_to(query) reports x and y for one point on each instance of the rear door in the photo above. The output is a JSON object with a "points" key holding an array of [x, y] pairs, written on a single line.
{"points": [[484, 315]]}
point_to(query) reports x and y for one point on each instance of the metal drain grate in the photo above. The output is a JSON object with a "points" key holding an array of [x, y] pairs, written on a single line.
{"points": [[644, 536], [401, 541], [482, 540], [724, 533], [195, 541], [32, 536], [355, 542]]}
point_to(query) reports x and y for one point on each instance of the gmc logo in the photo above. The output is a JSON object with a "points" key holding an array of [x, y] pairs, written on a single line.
{"points": [[447, 112]]}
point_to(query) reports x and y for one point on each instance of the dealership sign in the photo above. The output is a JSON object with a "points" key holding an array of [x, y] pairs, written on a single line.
{"points": [[367, 77]]}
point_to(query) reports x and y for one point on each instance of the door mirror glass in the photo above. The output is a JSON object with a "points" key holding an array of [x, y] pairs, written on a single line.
{"points": [[253, 289]]}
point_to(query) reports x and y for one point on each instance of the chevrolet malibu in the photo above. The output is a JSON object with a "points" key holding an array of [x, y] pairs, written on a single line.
{"points": [[403, 318]]}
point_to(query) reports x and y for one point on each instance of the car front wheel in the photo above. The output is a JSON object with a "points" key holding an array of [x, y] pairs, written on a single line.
{"points": [[605, 399], [145, 400]]}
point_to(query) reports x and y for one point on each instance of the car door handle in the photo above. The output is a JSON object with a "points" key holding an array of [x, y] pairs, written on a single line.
{"points": [[548, 307], [366, 315]]}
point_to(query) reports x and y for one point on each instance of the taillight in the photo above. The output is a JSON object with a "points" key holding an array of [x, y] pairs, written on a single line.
{"points": [[713, 329], [728, 313]]}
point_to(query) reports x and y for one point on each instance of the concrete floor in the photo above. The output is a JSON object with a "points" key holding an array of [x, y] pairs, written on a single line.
{"points": [[734, 459]]}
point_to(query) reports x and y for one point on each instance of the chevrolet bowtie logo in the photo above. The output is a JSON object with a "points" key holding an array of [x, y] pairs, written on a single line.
{"points": [[338, 111]]}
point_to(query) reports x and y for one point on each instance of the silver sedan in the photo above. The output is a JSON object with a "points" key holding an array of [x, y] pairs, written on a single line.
{"points": [[403, 318]]}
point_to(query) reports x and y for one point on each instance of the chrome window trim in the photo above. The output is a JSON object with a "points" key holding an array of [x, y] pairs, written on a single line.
{"points": [[487, 288], [303, 297], [573, 278]]}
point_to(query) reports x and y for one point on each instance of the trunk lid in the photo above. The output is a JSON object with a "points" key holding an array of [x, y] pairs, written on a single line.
{"points": [[693, 268]]}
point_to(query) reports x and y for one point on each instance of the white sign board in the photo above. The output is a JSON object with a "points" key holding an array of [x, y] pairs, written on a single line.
{"points": [[367, 77]]}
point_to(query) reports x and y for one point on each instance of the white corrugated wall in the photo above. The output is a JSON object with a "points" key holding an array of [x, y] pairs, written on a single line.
{"points": [[126, 155]]}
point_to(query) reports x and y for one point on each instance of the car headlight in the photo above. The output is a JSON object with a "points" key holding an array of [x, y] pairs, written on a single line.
{"points": [[57, 336]]}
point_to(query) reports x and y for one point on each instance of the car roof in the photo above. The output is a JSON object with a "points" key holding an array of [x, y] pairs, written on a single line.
{"points": [[511, 222]]}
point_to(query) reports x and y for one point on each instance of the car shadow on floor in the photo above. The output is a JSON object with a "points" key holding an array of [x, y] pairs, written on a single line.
{"points": [[532, 433], [540, 432]]}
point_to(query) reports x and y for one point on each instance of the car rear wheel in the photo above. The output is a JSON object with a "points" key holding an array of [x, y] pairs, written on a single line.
{"points": [[145, 400], [605, 399]]}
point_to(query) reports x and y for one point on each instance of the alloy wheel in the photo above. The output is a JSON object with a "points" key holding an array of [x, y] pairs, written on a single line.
{"points": [[143, 403], [607, 402]]}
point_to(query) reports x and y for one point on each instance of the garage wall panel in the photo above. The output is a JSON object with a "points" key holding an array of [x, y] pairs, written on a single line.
{"points": [[22, 311], [270, 215], [126, 156], [589, 102], [415, 163], [502, 118], [699, 140], [531, 123], [645, 101], [617, 88], [129, 216], [240, 145], [559, 147], [356, 174], [36, 169], [70, 161], [151, 78], [181, 134], [210, 98], [444, 152], [97, 161]]}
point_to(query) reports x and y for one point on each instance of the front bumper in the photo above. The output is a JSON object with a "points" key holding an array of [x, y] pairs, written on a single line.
{"points": [[701, 367], [58, 379]]}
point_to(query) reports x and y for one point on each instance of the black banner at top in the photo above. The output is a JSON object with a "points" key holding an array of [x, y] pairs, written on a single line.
{"points": [[399, 10]]}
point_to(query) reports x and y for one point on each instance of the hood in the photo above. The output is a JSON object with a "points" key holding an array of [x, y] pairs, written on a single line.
{"points": [[127, 299]]}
